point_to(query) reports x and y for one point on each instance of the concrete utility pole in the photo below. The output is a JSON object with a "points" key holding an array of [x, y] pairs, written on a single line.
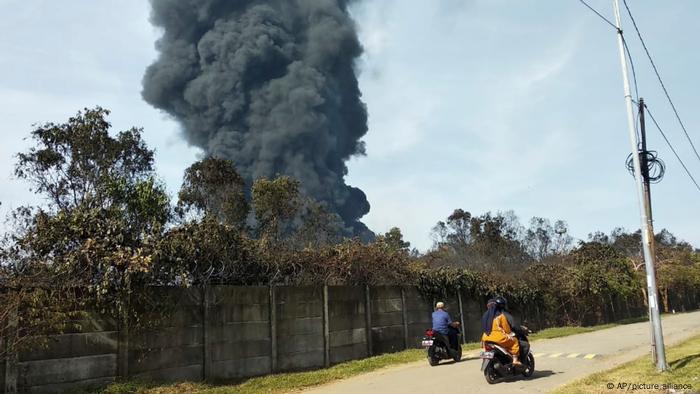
{"points": [[647, 235]]}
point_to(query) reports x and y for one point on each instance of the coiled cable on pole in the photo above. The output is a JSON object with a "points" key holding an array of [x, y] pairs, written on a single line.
{"points": [[655, 167]]}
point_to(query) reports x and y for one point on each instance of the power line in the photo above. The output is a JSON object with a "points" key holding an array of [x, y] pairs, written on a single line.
{"points": [[672, 148], [624, 42], [627, 49], [658, 76], [634, 73], [600, 15]]}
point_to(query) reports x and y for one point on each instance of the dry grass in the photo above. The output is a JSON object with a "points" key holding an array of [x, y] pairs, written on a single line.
{"points": [[683, 360]]}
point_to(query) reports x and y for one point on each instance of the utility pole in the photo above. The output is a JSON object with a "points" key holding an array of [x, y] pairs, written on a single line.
{"points": [[647, 235], [645, 175], [647, 202]]}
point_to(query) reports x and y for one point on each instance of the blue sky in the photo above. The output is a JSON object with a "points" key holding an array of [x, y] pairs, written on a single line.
{"points": [[482, 105]]}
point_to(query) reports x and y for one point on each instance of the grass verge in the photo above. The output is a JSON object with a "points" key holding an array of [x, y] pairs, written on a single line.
{"points": [[285, 382], [557, 332], [684, 369]]}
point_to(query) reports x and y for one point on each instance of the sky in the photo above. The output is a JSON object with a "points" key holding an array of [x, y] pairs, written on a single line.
{"points": [[484, 105]]}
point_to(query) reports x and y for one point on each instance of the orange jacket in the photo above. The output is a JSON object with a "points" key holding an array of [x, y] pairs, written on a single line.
{"points": [[500, 331]]}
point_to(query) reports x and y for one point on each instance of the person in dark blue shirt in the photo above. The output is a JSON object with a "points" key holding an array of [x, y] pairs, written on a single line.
{"points": [[442, 323]]}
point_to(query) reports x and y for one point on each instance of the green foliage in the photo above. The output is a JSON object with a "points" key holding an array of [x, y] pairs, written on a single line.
{"points": [[486, 242], [104, 205], [276, 202], [394, 239], [316, 227], [576, 290], [85, 248], [542, 240], [349, 262], [206, 252], [78, 162], [213, 187]]}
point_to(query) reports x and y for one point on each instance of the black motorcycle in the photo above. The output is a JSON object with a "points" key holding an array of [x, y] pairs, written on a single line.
{"points": [[498, 362], [438, 347]]}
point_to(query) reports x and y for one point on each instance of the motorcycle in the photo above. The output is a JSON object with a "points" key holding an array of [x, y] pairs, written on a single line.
{"points": [[498, 363], [438, 348]]}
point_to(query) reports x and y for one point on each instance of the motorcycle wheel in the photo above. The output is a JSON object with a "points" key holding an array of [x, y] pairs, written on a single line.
{"points": [[531, 366], [490, 374], [433, 359], [458, 355]]}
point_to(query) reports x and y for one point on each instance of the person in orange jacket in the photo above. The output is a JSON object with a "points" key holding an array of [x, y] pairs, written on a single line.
{"points": [[497, 327]]}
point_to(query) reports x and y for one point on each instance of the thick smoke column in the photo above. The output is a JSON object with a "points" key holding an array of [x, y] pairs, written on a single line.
{"points": [[269, 85]]}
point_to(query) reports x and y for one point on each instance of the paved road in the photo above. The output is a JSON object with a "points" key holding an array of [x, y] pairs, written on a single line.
{"points": [[557, 361]]}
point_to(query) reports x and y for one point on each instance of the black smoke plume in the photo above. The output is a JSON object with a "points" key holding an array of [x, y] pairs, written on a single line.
{"points": [[269, 85]]}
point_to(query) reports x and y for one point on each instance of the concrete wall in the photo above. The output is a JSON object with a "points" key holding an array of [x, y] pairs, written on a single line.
{"points": [[228, 332], [238, 332], [75, 359], [300, 334], [387, 319], [347, 323], [174, 350], [418, 311], [473, 309]]}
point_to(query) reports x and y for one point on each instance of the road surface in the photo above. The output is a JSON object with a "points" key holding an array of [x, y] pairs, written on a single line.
{"points": [[557, 361]]}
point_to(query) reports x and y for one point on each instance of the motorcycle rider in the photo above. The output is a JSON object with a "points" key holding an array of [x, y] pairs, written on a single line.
{"points": [[497, 325], [443, 324]]}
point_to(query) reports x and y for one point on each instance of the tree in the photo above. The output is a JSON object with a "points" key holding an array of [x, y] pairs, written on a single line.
{"points": [[104, 206], [394, 239], [487, 242], [275, 202], [213, 187], [79, 163], [316, 226], [600, 274], [542, 240], [455, 231]]}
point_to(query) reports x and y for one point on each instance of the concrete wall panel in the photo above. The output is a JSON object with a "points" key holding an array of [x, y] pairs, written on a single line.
{"points": [[239, 332], [347, 323], [232, 369], [73, 345], [387, 319], [61, 370], [190, 373], [79, 386], [234, 332], [355, 351], [240, 350], [152, 360], [299, 328], [167, 337]]}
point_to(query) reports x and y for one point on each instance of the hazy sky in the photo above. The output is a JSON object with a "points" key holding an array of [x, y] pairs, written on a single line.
{"points": [[481, 105]]}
